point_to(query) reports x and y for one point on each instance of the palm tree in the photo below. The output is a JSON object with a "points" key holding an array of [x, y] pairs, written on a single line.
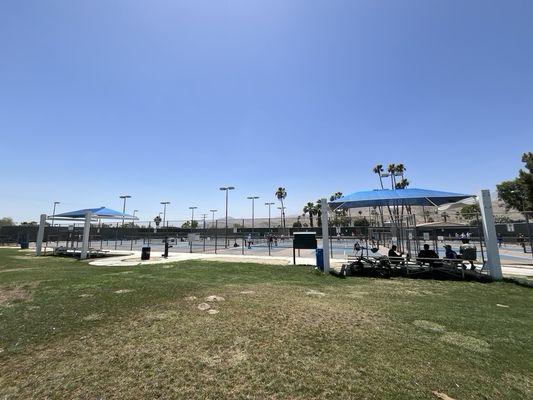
{"points": [[318, 212], [391, 168], [281, 194], [445, 215], [335, 196], [378, 169], [309, 208]]}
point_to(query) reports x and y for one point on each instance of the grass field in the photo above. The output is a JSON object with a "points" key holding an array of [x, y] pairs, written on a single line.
{"points": [[70, 330]]}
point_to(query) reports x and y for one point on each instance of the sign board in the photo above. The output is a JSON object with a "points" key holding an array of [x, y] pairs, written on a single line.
{"points": [[235, 230], [510, 227], [304, 240], [440, 238], [394, 240], [71, 228], [426, 236], [410, 235]]}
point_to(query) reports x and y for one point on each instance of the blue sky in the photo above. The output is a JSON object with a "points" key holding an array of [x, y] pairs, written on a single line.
{"points": [[168, 99]]}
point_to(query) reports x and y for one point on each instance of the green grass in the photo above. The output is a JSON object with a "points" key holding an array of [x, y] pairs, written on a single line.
{"points": [[65, 332]]}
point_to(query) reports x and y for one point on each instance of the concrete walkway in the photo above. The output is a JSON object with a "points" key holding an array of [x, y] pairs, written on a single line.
{"points": [[134, 259]]}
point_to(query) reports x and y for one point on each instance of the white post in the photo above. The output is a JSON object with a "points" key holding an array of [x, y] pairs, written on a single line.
{"points": [[86, 233], [325, 234], [491, 241], [40, 235]]}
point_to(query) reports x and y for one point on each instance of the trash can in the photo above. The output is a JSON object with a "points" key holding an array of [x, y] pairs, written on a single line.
{"points": [[320, 259], [145, 253], [24, 244]]}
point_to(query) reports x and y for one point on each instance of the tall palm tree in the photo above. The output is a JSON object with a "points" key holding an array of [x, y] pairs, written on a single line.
{"points": [[378, 169], [335, 196], [281, 194], [318, 212], [400, 169], [391, 168], [309, 208]]}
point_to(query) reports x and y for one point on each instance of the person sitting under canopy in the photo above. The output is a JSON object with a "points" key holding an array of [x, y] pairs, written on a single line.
{"points": [[426, 254], [395, 258]]}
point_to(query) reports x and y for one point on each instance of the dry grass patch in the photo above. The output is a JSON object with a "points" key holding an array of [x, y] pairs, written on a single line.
{"points": [[249, 349], [15, 293]]}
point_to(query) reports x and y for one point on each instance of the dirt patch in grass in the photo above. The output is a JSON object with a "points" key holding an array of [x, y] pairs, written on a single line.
{"points": [[15, 293], [93, 317], [466, 342], [429, 326], [122, 291]]}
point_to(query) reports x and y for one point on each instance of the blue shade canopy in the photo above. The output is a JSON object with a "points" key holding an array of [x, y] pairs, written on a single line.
{"points": [[100, 213], [398, 197]]}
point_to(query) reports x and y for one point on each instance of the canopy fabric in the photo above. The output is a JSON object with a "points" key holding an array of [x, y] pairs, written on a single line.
{"points": [[100, 213], [459, 204], [398, 197]]}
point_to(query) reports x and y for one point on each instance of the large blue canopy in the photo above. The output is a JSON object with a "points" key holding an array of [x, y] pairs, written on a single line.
{"points": [[398, 197], [100, 213]]}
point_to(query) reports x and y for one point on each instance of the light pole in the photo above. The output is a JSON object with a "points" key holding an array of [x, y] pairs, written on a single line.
{"points": [[124, 197], [281, 209], [253, 198], [192, 215], [269, 205], [227, 189], [132, 221], [522, 197], [213, 212], [54, 212], [165, 211]]}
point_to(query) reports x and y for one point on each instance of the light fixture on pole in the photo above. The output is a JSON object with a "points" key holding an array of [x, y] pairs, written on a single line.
{"points": [[192, 215], [269, 205], [253, 198], [227, 189], [165, 211], [54, 212], [213, 212], [281, 210], [524, 212], [132, 221], [124, 197]]}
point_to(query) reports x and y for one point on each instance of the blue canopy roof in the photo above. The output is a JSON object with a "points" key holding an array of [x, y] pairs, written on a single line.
{"points": [[100, 212], [398, 197]]}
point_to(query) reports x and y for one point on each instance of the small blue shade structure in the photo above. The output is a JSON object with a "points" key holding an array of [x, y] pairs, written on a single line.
{"points": [[99, 213], [398, 197]]}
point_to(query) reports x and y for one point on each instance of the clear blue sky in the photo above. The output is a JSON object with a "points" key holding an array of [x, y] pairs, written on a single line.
{"points": [[168, 99]]}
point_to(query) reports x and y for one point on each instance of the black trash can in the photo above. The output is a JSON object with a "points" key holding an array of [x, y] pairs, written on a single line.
{"points": [[145, 253], [24, 243]]}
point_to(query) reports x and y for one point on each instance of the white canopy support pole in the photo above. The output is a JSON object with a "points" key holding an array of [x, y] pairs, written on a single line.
{"points": [[40, 235], [325, 234], [86, 233], [491, 241]]}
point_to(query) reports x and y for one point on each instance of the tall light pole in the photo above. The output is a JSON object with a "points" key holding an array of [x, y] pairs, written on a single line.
{"points": [[521, 194], [132, 221], [54, 212], [165, 211], [124, 197], [192, 215], [253, 198], [227, 189], [269, 205], [213, 212], [281, 210]]}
